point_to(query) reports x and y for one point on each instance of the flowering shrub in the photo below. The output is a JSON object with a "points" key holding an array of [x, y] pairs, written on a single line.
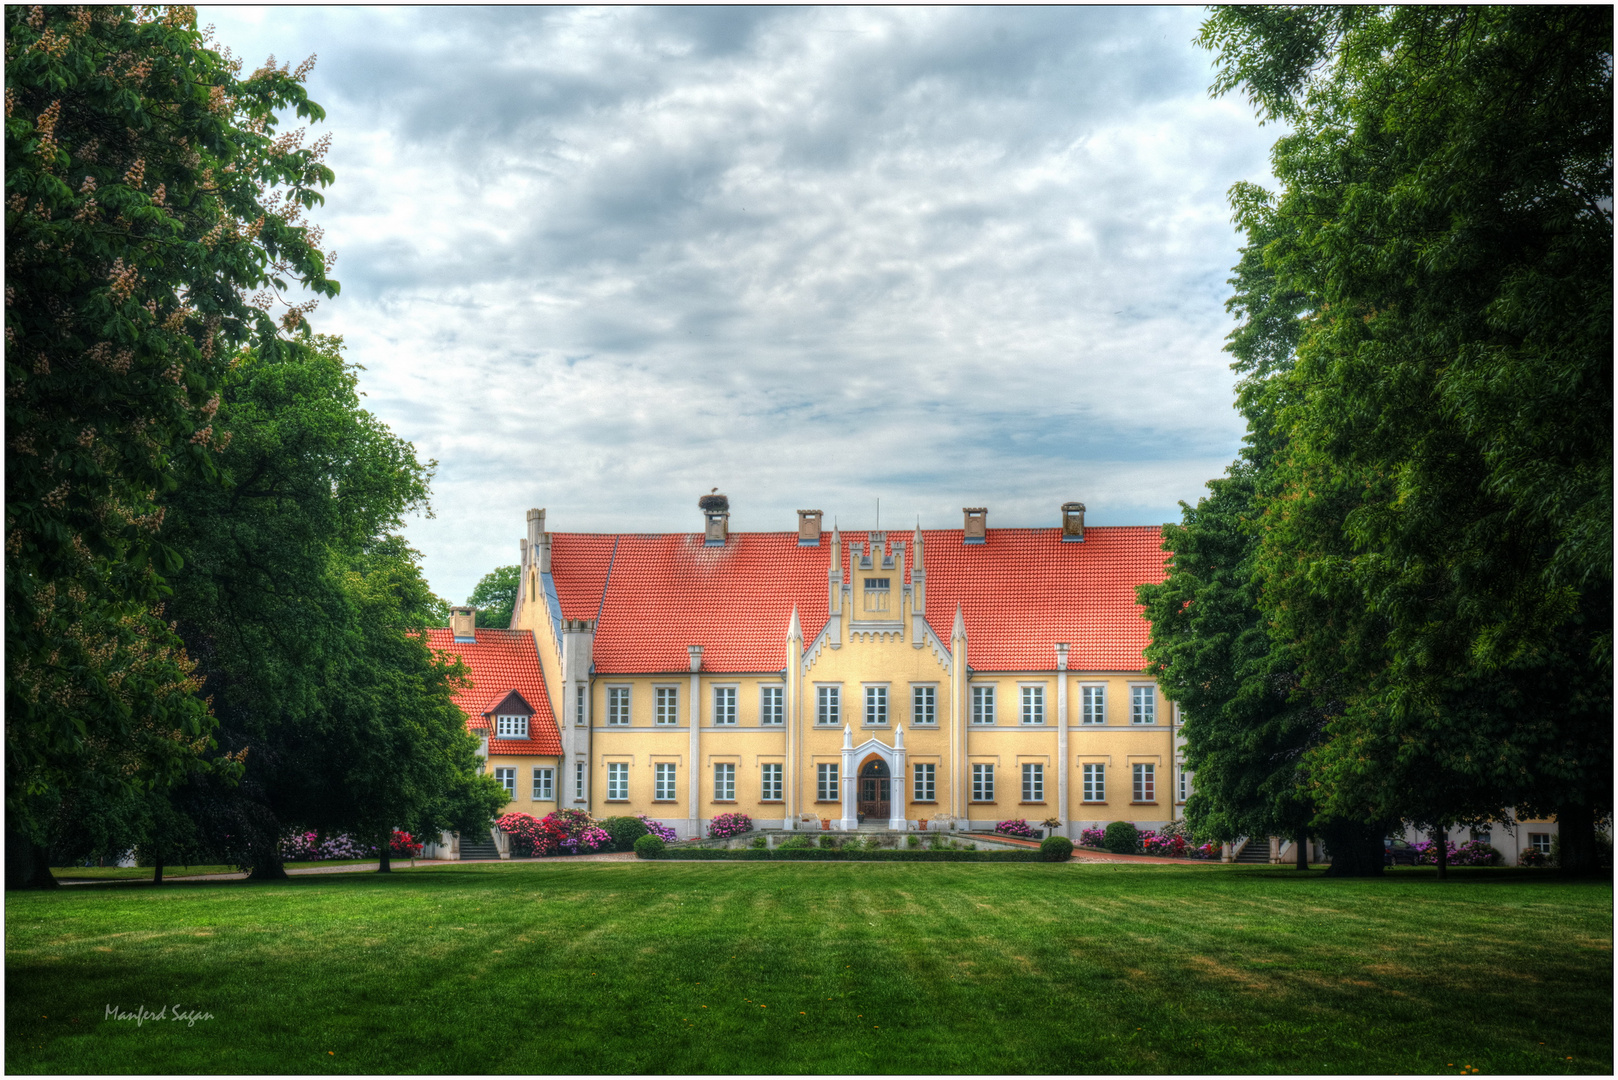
{"points": [[344, 846], [729, 825], [1209, 850], [404, 845], [1015, 827], [1091, 837], [308, 847], [591, 838], [663, 832], [529, 835], [300, 847], [1164, 843], [1531, 857]]}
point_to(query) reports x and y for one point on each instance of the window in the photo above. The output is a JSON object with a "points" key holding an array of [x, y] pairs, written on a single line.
{"points": [[1143, 704], [511, 727], [578, 780], [663, 782], [926, 775], [580, 696], [877, 593], [544, 784], [724, 782], [1145, 783], [617, 706], [1095, 783], [1092, 704], [770, 707], [1033, 704], [770, 786], [826, 788], [665, 708], [923, 705], [724, 705], [1185, 785], [1033, 783], [876, 704], [983, 783], [508, 778], [1540, 842], [827, 704], [617, 781], [1483, 836], [982, 704]]}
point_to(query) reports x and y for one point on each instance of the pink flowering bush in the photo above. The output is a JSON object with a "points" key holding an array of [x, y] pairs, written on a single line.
{"points": [[1471, 853], [300, 847], [729, 825], [663, 832], [529, 835], [1167, 845], [309, 847], [1016, 827], [1092, 838]]}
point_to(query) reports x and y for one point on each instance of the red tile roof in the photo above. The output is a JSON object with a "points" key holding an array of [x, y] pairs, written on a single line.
{"points": [[1021, 592], [499, 662]]}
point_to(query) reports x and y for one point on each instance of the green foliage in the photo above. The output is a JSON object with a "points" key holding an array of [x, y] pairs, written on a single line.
{"points": [[624, 831], [1121, 838], [1056, 849], [828, 841], [758, 842], [912, 841], [795, 843], [649, 847], [147, 195], [495, 597]]}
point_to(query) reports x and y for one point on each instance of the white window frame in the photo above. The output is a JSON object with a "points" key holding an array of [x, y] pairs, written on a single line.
{"points": [[876, 704], [771, 705], [617, 781], [1093, 703], [828, 704], [923, 703], [578, 781], [581, 696], [1540, 842], [1145, 776], [618, 714], [507, 777], [665, 781], [1094, 775], [983, 704], [826, 782], [1033, 782], [1185, 785], [982, 782], [724, 706], [770, 781], [544, 785], [511, 727], [925, 787], [1033, 704], [724, 781], [665, 706], [1142, 704]]}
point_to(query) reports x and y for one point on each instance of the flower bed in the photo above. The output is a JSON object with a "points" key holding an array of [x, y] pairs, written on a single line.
{"points": [[663, 832], [561, 832], [309, 847], [848, 855], [1171, 842], [1017, 827], [727, 825], [1471, 853]]}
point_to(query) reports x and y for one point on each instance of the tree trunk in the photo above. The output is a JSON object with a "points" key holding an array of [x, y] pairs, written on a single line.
{"points": [[1440, 835], [28, 865], [157, 870], [1301, 842], [1576, 826], [386, 864], [1356, 849], [267, 866]]}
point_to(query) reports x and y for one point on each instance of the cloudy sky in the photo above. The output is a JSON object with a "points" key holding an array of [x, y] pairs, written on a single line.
{"points": [[603, 260]]}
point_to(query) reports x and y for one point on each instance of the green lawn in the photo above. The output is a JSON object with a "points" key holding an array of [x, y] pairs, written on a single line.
{"points": [[823, 967], [144, 873]]}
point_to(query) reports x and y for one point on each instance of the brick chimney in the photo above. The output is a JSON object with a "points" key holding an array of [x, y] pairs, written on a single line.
{"points": [[463, 622], [1073, 522], [716, 510], [809, 528], [976, 529]]}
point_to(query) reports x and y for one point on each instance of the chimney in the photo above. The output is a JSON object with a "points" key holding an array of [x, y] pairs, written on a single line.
{"points": [[1073, 522], [977, 525], [539, 538], [716, 509], [695, 654], [462, 623], [809, 528]]}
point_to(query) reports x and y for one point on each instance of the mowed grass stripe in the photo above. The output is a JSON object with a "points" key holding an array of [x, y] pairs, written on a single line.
{"points": [[780, 967]]}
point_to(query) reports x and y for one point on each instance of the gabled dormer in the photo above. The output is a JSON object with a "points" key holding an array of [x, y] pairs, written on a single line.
{"points": [[510, 718]]}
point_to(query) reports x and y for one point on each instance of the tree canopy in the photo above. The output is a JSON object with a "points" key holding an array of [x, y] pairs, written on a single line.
{"points": [[495, 597]]}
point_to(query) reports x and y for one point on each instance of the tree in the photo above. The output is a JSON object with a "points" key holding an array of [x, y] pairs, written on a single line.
{"points": [[1439, 542], [495, 597], [146, 195]]}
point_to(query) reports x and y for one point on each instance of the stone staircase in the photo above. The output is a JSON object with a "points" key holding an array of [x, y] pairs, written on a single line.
{"points": [[480, 846], [1256, 850]]}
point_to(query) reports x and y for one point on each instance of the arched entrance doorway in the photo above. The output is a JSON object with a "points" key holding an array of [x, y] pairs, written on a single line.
{"points": [[875, 790]]}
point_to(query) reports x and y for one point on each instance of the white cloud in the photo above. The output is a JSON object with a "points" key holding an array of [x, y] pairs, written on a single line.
{"points": [[601, 260]]}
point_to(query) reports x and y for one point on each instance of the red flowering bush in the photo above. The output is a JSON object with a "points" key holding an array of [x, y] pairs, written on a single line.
{"points": [[404, 845], [529, 835]]}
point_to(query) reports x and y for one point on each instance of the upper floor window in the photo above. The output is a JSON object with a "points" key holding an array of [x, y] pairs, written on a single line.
{"points": [[923, 705], [1092, 704], [983, 704], [1033, 704], [876, 704], [581, 698], [876, 594], [724, 705], [665, 710], [618, 705], [1143, 704], [511, 727], [770, 707], [828, 704]]}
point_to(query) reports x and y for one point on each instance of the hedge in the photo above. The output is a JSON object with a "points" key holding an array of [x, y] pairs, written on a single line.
{"points": [[823, 855]]}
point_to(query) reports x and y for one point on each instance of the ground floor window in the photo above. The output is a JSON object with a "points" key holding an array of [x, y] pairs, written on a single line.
{"points": [[826, 785], [1145, 783], [1033, 783], [543, 781], [508, 779], [982, 783], [617, 780], [663, 781], [724, 782], [926, 777], [578, 780], [1540, 842], [770, 789], [1095, 783]]}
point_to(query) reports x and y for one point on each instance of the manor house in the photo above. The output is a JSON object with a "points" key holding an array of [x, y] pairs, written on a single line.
{"points": [[816, 679]]}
